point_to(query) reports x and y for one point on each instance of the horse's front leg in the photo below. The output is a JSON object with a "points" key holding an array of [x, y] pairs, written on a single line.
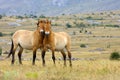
{"points": [[43, 57], [53, 56], [34, 56]]}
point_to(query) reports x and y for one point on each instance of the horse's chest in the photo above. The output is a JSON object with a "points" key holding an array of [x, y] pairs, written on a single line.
{"points": [[48, 46]]}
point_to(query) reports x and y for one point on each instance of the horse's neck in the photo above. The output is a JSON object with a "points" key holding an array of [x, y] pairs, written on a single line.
{"points": [[38, 35]]}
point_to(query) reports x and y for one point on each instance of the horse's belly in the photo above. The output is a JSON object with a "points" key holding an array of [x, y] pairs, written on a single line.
{"points": [[27, 46], [60, 47]]}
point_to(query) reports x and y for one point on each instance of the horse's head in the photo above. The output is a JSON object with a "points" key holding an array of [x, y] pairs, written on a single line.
{"points": [[40, 26], [47, 27]]}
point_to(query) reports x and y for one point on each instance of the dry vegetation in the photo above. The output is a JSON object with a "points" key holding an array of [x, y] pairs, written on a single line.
{"points": [[94, 37]]}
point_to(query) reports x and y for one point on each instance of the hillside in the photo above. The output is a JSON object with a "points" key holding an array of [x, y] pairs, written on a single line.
{"points": [[55, 7]]}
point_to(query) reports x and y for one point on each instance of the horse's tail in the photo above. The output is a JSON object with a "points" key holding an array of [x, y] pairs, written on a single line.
{"points": [[11, 50]]}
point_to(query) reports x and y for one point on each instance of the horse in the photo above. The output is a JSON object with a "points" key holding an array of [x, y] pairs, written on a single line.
{"points": [[25, 39], [56, 41]]}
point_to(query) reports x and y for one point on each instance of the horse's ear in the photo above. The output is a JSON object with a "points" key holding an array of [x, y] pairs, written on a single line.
{"points": [[40, 21]]}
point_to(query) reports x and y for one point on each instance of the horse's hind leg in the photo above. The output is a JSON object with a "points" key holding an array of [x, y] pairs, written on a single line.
{"points": [[13, 54], [64, 57], [69, 55], [19, 54]]}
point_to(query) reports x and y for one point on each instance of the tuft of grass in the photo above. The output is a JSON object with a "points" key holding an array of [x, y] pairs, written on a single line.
{"points": [[32, 75], [10, 75]]}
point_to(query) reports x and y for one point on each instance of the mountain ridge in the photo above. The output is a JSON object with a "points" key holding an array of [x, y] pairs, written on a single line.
{"points": [[55, 7]]}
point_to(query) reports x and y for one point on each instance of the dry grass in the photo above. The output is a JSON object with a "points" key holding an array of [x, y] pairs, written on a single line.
{"points": [[81, 70]]}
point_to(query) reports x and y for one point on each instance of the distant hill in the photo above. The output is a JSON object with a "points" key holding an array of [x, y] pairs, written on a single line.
{"points": [[56, 7]]}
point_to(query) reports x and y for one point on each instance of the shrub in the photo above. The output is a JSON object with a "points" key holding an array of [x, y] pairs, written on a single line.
{"points": [[79, 25], [0, 51], [1, 34], [82, 45], [0, 16], [55, 24], [74, 33], [86, 31], [20, 17], [11, 33], [80, 31], [109, 25], [114, 56], [68, 25], [42, 16], [89, 18]]}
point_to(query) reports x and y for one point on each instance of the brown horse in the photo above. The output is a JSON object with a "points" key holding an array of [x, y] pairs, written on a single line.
{"points": [[60, 41], [31, 40]]}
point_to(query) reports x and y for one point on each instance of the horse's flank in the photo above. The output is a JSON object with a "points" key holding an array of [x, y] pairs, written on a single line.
{"points": [[27, 39], [61, 39]]}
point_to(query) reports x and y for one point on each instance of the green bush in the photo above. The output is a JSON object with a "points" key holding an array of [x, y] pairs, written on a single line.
{"points": [[1, 34], [82, 45], [19, 17], [1, 16], [114, 56], [89, 18], [110, 25], [0, 51], [42, 16], [79, 25], [80, 31], [68, 25], [11, 33]]}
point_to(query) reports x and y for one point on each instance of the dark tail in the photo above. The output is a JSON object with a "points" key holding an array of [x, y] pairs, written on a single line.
{"points": [[11, 50]]}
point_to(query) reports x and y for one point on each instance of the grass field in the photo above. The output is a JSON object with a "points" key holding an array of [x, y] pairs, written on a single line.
{"points": [[100, 37], [81, 70]]}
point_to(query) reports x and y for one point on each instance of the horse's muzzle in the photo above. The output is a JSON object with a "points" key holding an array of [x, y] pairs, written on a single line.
{"points": [[47, 33]]}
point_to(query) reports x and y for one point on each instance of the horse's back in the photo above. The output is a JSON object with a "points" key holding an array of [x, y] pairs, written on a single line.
{"points": [[24, 38], [61, 35]]}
